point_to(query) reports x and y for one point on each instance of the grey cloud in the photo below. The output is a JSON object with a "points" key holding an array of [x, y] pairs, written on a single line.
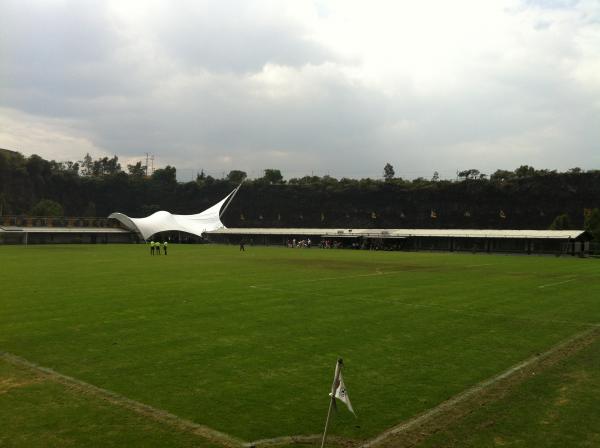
{"points": [[211, 110], [225, 36]]}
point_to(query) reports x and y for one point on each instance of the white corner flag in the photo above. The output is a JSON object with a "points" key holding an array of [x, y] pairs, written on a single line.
{"points": [[338, 390], [341, 393]]}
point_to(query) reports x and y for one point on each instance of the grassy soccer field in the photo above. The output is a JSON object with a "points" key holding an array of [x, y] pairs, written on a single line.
{"points": [[246, 343]]}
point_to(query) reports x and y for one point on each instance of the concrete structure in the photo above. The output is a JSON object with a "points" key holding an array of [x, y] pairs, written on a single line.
{"points": [[65, 235]]}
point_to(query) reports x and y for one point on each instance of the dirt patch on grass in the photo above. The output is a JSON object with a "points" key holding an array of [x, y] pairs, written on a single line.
{"points": [[419, 428], [7, 384], [310, 440]]}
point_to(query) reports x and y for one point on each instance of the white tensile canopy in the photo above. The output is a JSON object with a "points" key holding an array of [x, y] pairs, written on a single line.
{"points": [[162, 221]]}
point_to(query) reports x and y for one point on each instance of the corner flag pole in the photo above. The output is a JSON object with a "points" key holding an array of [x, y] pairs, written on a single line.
{"points": [[336, 379]]}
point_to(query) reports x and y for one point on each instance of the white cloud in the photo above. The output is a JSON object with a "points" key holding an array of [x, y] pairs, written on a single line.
{"points": [[338, 87], [50, 138]]}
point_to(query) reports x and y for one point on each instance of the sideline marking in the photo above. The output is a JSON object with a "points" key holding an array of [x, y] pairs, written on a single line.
{"points": [[464, 312], [433, 413], [323, 279], [310, 293], [145, 410], [474, 313], [557, 283]]}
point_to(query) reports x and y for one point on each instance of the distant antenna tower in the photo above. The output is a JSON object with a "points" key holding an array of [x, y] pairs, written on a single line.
{"points": [[151, 159]]}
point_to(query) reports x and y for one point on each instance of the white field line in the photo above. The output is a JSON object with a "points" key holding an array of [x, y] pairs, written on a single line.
{"points": [[461, 311], [145, 410], [324, 279], [345, 277], [557, 283], [468, 393], [491, 314], [310, 293], [288, 440]]}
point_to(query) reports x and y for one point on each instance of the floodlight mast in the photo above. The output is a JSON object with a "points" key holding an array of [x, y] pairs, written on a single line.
{"points": [[230, 199]]}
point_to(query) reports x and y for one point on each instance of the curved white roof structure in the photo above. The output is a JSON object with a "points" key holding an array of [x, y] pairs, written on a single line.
{"points": [[162, 221]]}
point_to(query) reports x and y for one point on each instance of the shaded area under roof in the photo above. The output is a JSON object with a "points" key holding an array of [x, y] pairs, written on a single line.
{"points": [[405, 233]]}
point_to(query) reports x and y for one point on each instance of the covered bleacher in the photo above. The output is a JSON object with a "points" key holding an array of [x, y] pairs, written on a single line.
{"points": [[451, 240]]}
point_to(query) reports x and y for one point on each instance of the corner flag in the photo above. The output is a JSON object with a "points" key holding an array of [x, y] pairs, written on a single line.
{"points": [[338, 390], [341, 393]]}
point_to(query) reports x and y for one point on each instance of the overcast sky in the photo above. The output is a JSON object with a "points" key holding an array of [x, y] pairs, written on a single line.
{"points": [[323, 87]]}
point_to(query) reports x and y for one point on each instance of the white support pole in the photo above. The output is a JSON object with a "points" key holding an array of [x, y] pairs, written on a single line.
{"points": [[230, 199], [336, 379]]}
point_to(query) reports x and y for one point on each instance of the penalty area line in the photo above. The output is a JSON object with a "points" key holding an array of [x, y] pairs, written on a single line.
{"points": [[557, 283], [420, 427], [377, 273], [158, 415]]}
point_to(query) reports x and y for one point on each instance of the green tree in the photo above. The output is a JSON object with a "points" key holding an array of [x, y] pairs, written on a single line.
{"points": [[137, 170], [388, 172], [87, 165], [90, 210], [236, 176], [525, 171], [273, 176], [502, 175], [592, 224], [561, 222], [470, 174], [47, 207], [105, 166], [4, 210], [166, 175]]}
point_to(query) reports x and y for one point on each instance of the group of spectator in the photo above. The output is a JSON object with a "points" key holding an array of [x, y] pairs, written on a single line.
{"points": [[337, 244], [307, 243], [330, 244]]}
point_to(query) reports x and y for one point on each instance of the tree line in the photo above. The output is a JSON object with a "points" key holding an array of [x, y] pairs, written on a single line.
{"points": [[525, 198]]}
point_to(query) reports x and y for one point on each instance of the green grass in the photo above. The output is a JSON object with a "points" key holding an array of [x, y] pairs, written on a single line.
{"points": [[38, 413], [246, 342], [557, 408]]}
